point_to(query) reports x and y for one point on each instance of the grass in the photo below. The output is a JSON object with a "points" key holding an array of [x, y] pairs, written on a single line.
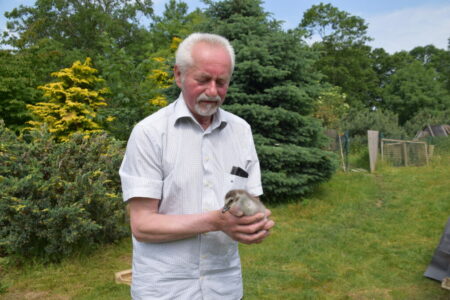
{"points": [[82, 277], [359, 236]]}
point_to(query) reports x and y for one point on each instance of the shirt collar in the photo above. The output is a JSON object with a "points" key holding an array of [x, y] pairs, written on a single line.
{"points": [[181, 111]]}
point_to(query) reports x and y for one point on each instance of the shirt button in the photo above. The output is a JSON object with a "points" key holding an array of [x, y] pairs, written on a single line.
{"points": [[207, 184]]}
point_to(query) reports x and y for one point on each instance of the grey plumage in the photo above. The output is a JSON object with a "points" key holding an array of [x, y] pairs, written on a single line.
{"points": [[241, 203]]}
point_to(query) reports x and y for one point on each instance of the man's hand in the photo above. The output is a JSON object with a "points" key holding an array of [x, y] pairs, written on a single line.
{"points": [[247, 229], [147, 225]]}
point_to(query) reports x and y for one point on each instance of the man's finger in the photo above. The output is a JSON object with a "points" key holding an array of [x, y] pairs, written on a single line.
{"points": [[251, 219], [251, 238]]}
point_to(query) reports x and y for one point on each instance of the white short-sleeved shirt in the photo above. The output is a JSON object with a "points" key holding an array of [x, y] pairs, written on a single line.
{"points": [[171, 157]]}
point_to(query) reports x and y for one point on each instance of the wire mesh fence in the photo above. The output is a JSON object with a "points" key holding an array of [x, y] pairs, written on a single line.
{"points": [[354, 153], [404, 153], [339, 143]]}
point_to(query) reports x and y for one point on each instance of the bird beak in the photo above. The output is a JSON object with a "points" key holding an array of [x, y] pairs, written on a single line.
{"points": [[225, 208]]}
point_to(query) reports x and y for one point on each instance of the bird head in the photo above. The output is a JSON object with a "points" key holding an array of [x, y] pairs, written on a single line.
{"points": [[240, 203], [230, 198]]}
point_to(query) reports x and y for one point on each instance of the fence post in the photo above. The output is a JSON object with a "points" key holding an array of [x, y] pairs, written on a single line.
{"points": [[347, 149], [373, 148], [405, 154], [342, 152]]}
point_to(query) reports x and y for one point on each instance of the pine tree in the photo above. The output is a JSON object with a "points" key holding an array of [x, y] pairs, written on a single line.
{"points": [[274, 88], [72, 102]]}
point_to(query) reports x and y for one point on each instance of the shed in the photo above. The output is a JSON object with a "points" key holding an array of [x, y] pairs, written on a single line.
{"points": [[433, 130]]}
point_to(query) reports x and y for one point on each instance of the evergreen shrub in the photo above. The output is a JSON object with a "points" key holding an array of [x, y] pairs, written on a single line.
{"points": [[290, 172], [274, 88], [57, 199], [289, 150]]}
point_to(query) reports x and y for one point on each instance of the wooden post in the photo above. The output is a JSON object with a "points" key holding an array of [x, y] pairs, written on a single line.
{"points": [[430, 151], [372, 140], [123, 277], [342, 153], [405, 155]]}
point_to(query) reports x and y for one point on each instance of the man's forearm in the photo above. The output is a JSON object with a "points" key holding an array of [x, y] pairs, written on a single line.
{"points": [[159, 228], [148, 225]]}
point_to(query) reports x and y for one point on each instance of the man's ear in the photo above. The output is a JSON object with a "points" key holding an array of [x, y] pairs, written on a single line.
{"points": [[177, 73]]}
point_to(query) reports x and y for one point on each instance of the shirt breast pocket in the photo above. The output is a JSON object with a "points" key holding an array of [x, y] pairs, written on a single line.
{"points": [[234, 182]]}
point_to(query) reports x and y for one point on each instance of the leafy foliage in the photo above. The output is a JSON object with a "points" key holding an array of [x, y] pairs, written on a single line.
{"points": [[72, 102], [53, 34], [437, 59], [15, 91], [334, 26], [22, 71], [141, 83], [58, 198], [175, 22], [413, 88], [126, 102], [331, 108], [426, 117], [77, 24], [357, 122], [344, 56]]}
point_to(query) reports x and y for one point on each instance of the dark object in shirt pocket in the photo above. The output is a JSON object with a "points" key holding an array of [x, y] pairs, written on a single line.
{"points": [[239, 172]]}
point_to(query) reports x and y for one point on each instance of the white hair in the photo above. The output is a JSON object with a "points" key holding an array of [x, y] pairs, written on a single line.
{"points": [[183, 56]]}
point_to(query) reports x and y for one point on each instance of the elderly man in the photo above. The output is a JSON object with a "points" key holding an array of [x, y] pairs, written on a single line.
{"points": [[175, 174]]}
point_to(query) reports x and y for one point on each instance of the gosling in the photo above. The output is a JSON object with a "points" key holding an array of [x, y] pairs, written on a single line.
{"points": [[241, 203]]}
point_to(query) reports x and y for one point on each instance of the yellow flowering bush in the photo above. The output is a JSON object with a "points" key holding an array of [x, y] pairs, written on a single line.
{"points": [[161, 78], [72, 102]]}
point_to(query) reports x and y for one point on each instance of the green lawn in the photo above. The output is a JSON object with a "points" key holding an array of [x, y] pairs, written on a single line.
{"points": [[359, 236]]}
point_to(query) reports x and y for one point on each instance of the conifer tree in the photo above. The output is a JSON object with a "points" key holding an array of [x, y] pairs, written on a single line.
{"points": [[274, 88], [72, 102]]}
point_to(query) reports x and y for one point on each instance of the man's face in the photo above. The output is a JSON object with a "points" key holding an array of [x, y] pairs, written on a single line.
{"points": [[204, 85]]}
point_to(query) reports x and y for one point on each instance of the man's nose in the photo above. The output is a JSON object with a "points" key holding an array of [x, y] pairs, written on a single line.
{"points": [[211, 91]]}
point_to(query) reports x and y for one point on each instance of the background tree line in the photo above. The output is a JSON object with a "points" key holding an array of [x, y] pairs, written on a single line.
{"points": [[76, 75], [128, 43]]}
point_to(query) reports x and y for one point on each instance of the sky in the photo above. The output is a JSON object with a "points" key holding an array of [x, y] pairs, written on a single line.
{"points": [[394, 25]]}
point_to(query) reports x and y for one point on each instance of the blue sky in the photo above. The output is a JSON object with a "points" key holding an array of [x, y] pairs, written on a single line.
{"points": [[394, 25]]}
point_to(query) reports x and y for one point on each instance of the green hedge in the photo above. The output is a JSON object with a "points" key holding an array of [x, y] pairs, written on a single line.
{"points": [[289, 172], [57, 199]]}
